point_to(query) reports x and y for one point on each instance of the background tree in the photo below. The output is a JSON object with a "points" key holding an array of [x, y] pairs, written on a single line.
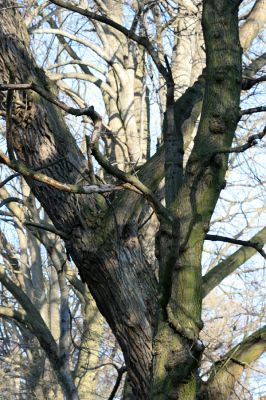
{"points": [[110, 214]]}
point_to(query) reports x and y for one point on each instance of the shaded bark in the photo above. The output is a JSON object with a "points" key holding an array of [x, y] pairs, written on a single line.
{"points": [[110, 261]]}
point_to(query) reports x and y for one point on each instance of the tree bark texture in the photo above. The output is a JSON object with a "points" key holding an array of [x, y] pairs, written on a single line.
{"points": [[177, 348], [110, 259], [157, 328]]}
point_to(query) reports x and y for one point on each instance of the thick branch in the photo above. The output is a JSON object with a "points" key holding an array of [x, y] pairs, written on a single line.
{"points": [[248, 83], [253, 24], [226, 372]]}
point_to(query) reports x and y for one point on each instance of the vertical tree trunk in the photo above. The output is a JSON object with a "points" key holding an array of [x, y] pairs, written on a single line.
{"points": [[177, 348]]}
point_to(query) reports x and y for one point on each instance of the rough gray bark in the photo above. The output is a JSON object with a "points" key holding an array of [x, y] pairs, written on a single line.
{"points": [[110, 261]]}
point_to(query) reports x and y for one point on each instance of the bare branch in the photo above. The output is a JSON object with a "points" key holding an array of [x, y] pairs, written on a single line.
{"points": [[142, 40], [89, 111], [8, 179], [18, 315], [215, 276], [46, 227], [218, 238], [253, 110], [251, 70], [79, 189], [160, 210], [252, 141], [228, 369], [253, 25], [10, 200], [120, 374], [87, 77], [248, 83]]}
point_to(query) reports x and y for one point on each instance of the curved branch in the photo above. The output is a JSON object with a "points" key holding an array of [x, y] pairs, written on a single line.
{"points": [[160, 210], [251, 70], [252, 141], [46, 227], [218, 238], [11, 200], [96, 49], [89, 111], [86, 77], [8, 179], [216, 275], [120, 373]]}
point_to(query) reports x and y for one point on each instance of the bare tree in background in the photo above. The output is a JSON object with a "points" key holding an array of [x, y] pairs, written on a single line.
{"points": [[113, 216]]}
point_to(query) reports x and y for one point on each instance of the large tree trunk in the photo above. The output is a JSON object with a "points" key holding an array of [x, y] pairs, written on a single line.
{"points": [[108, 255], [159, 339]]}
